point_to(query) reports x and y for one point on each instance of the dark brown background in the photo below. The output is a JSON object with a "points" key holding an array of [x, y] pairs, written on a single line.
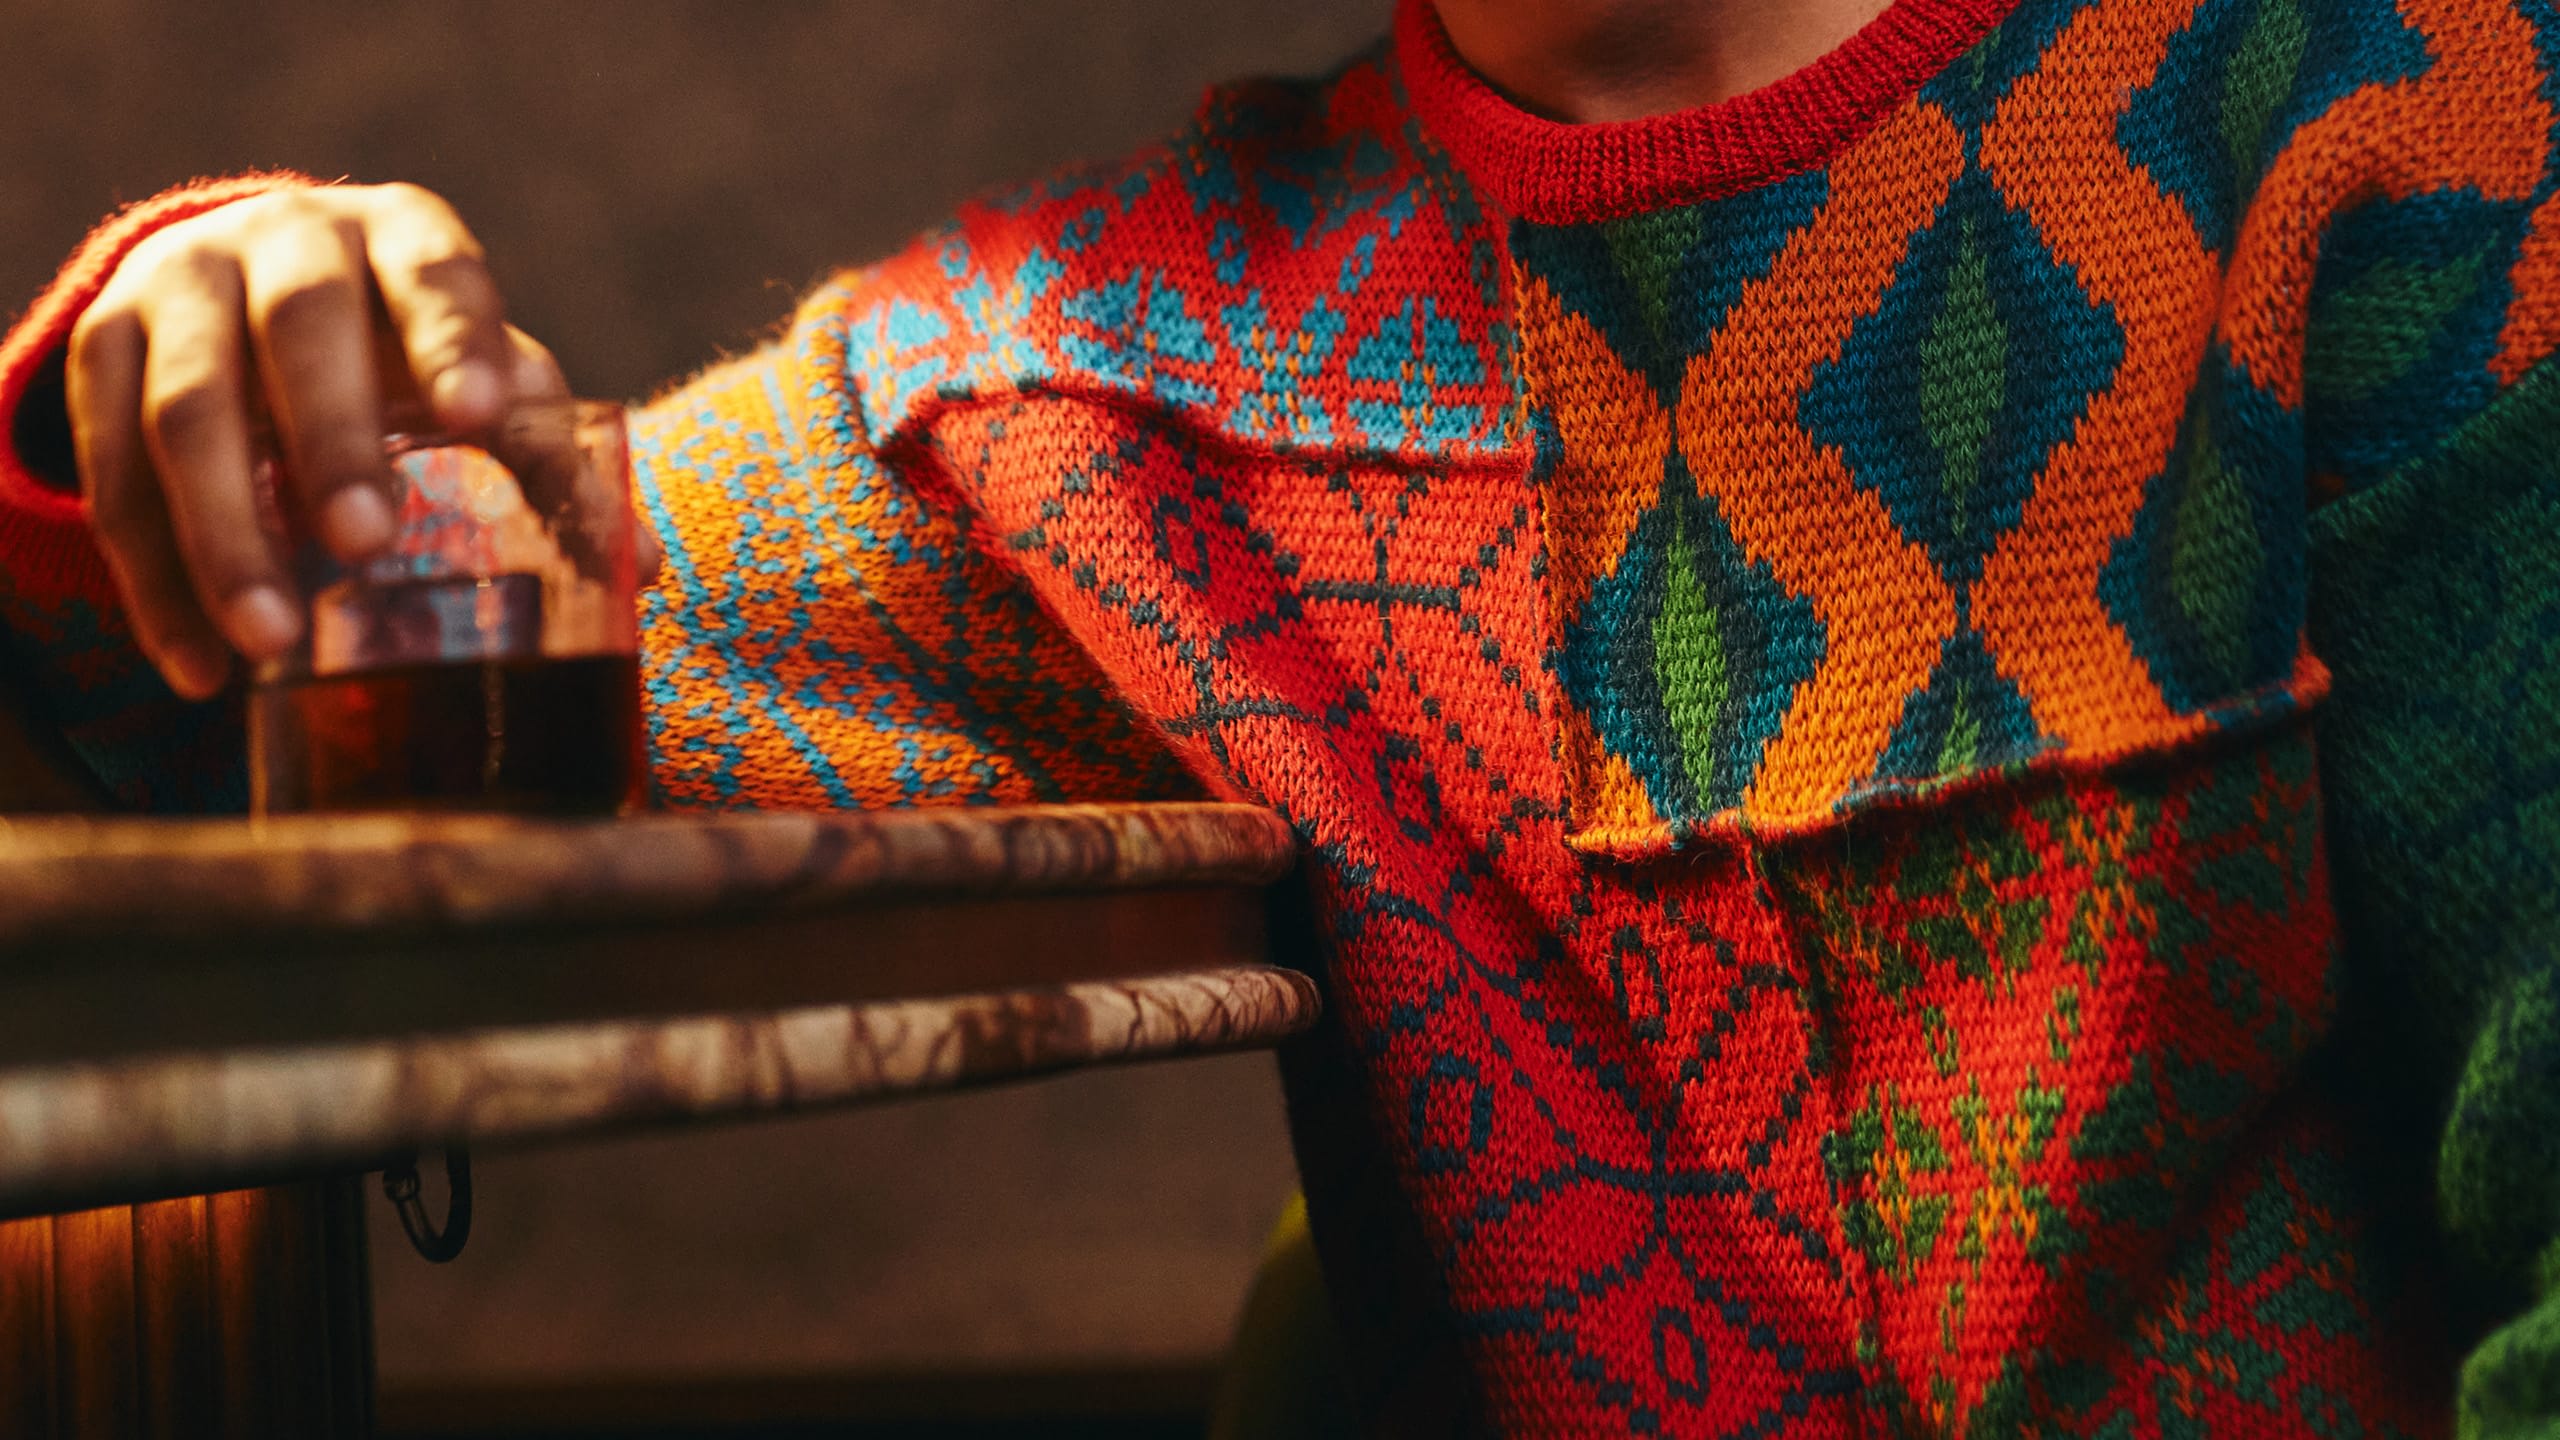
{"points": [[655, 179]]}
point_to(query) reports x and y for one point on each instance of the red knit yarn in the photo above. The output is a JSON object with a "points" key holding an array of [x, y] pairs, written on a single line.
{"points": [[1986, 1061], [1560, 174], [43, 529]]}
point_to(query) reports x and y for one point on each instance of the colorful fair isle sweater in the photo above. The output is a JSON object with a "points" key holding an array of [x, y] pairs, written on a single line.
{"points": [[1925, 705]]}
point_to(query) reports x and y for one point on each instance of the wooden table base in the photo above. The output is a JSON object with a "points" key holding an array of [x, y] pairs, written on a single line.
{"points": [[187, 1004], [243, 1314]]}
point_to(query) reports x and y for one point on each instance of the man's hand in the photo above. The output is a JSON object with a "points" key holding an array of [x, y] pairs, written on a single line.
{"points": [[328, 311]]}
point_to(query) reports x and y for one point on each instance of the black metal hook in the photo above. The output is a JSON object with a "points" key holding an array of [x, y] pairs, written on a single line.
{"points": [[400, 1186]]}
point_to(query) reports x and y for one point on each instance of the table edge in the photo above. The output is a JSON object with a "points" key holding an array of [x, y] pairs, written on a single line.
{"points": [[78, 1135]]}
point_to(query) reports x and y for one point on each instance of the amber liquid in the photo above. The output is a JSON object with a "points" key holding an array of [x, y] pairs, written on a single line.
{"points": [[540, 737]]}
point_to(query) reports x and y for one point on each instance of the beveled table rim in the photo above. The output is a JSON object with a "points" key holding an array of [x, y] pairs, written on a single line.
{"points": [[158, 1126], [201, 1004], [72, 882]]}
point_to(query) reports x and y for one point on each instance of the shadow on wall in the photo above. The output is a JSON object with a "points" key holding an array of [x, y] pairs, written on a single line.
{"points": [[655, 181]]}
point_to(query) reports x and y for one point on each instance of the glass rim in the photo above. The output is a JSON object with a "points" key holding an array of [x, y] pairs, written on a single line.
{"points": [[581, 411]]}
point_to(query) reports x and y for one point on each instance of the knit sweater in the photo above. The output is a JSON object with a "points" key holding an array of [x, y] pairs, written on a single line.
{"points": [[1925, 705]]}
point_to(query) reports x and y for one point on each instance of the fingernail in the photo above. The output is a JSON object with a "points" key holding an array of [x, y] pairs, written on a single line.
{"points": [[262, 622], [196, 674], [355, 522], [467, 396]]}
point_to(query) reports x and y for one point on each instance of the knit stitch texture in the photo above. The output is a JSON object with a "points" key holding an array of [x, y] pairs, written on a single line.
{"points": [[1925, 710]]}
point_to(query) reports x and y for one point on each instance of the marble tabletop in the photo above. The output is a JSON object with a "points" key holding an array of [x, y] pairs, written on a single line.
{"points": [[93, 883], [187, 1005], [134, 936], [151, 1126]]}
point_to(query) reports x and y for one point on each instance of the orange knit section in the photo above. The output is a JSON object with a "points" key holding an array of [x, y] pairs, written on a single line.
{"points": [[822, 637], [2135, 250], [2532, 329], [2475, 117], [708, 523], [1616, 439], [1884, 608]]}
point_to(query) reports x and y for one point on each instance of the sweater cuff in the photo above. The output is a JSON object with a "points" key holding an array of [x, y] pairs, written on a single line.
{"points": [[45, 546]]}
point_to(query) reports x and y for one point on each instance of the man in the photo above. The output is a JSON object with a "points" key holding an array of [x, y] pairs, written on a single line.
{"points": [[1912, 643]]}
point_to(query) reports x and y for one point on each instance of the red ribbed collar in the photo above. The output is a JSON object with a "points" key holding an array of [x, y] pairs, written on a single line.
{"points": [[1559, 174]]}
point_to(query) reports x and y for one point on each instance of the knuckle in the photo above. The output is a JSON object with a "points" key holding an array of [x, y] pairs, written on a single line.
{"points": [[193, 262], [96, 337], [430, 213], [152, 250], [226, 562], [461, 278], [407, 195], [293, 206], [537, 372], [445, 334], [428, 242], [88, 334], [315, 297], [449, 288], [178, 413], [421, 209], [334, 446], [339, 448]]}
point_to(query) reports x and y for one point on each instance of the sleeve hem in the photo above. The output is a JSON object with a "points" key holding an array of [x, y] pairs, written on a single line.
{"points": [[44, 535]]}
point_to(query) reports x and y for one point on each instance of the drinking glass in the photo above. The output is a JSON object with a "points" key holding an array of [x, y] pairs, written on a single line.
{"points": [[488, 659]]}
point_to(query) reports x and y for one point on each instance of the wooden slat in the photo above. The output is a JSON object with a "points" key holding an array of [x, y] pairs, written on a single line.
{"points": [[26, 1327], [96, 1346], [242, 1314], [174, 1292], [295, 1319], [242, 1259], [349, 1299]]}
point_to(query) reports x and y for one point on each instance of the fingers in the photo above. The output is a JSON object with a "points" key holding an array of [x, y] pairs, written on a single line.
{"points": [[314, 308], [451, 323], [541, 442], [195, 429], [538, 441], [532, 372], [104, 390], [309, 305]]}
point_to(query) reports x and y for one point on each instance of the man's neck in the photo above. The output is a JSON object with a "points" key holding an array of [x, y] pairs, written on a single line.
{"points": [[1591, 60]]}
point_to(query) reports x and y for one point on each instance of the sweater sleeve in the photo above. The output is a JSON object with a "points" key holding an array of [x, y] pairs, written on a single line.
{"points": [[66, 657], [827, 631], [2435, 601], [823, 634]]}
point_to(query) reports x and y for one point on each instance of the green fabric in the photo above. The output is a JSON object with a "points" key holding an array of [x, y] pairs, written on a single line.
{"points": [[1689, 661], [2436, 603], [1964, 372]]}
